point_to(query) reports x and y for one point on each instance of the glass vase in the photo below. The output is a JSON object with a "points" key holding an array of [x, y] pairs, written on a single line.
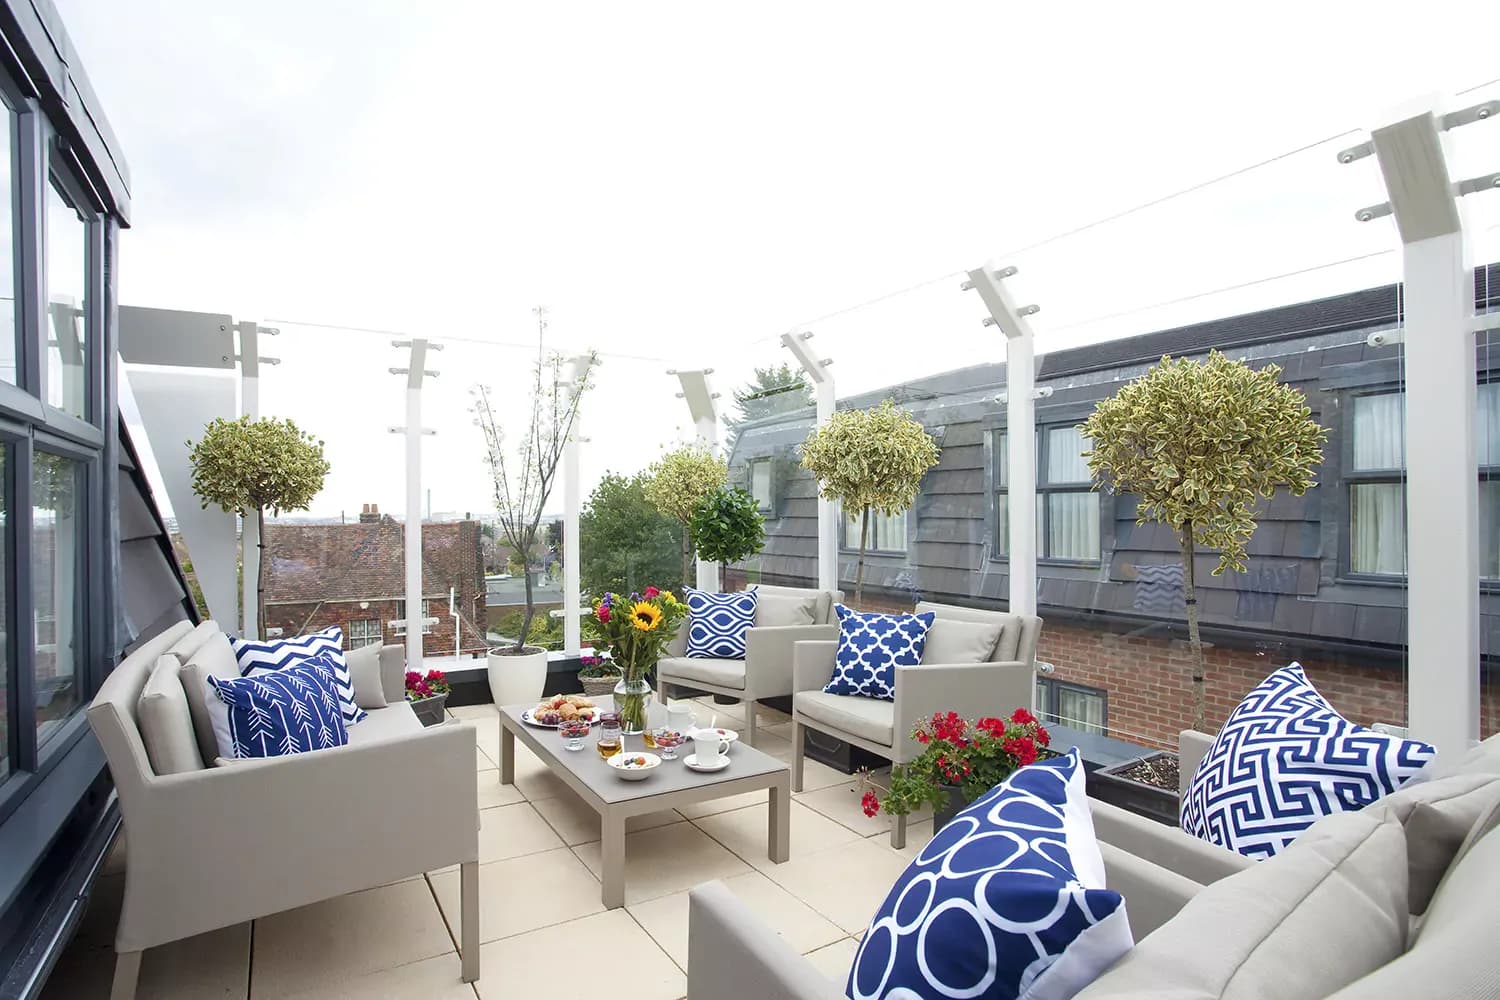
{"points": [[632, 699]]}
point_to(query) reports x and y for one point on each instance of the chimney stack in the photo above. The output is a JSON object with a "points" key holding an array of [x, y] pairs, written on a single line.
{"points": [[370, 514]]}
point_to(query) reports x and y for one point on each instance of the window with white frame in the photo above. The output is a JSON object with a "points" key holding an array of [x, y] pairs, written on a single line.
{"points": [[364, 632], [1067, 507], [1377, 488], [762, 485], [886, 533], [1076, 706], [400, 621]]}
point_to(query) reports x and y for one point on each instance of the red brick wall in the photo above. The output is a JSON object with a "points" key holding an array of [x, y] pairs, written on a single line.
{"points": [[297, 619]]}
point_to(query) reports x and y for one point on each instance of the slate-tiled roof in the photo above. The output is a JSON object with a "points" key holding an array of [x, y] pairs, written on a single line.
{"points": [[364, 561]]}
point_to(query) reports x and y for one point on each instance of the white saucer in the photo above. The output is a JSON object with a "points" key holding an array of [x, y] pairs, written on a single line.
{"points": [[691, 762]]}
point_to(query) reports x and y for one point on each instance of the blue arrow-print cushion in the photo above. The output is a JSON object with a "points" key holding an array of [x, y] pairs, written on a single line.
{"points": [[1284, 760], [276, 713], [278, 654], [871, 647], [1007, 901]]}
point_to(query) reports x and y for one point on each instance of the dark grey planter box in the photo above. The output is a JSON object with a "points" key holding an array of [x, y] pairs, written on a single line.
{"points": [[430, 710], [1155, 803]]}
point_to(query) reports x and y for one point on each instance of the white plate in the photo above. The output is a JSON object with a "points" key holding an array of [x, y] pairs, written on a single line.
{"points": [[691, 762], [527, 718]]}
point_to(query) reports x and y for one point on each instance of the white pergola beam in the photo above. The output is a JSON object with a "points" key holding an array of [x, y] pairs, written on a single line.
{"points": [[1020, 421], [578, 369], [1442, 471], [703, 405], [415, 372], [828, 512]]}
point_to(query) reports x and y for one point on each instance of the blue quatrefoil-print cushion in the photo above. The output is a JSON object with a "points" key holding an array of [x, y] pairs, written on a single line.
{"points": [[717, 624], [1007, 901], [1284, 760], [871, 647]]}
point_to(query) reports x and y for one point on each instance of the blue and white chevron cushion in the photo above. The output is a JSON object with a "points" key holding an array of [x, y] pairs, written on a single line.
{"points": [[278, 654], [871, 647], [717, 624], [1008, 900], [275, 713], [1284, 760]]}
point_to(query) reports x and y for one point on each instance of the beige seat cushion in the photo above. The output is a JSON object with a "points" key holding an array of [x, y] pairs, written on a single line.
{"points": [[215, 658], [954, 642], [868, 718], [1326, 911], [1453, 954], [165, 721], [774, 610], [721, 673], [382, 723], [364, 672], [1438, 816]]}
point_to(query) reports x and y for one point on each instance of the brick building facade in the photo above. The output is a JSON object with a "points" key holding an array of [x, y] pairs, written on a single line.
{"points": [[353, 576]]}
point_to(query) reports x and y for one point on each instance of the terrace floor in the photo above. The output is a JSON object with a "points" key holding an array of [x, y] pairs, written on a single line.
{"points": [[539, 899]]}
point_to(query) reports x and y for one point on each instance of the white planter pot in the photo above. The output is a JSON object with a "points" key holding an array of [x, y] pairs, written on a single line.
{"points": [[517, 679]]}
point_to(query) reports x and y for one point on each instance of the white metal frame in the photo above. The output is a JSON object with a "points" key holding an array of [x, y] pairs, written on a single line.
{"points": [[828, 511], [703, 405], [578, 370], [415, 372]]}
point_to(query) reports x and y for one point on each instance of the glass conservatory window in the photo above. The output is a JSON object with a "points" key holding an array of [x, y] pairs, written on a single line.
{"points": [[67, 284], [56, 588]]}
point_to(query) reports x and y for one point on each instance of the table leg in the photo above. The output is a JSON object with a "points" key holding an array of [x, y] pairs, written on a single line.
{"points": [[612, 856], [507, 755], [779, 831]]}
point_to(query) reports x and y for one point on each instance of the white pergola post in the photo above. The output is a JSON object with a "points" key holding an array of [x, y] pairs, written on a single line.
{"points": [[701, 401], [578, 368], [828, 511], [1442, 503], [414, 372], [250, 362], [1020, 431]]}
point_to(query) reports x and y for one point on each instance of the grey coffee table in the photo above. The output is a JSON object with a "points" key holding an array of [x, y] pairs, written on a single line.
{"points": [[669, 786]]}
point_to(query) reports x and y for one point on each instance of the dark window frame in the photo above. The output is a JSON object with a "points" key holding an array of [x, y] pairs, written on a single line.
{"points": [[999, 486], [1047, 689]]}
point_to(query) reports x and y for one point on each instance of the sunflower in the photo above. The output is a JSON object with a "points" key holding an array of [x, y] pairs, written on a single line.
{"points": [[645, 617], [669, 597]]}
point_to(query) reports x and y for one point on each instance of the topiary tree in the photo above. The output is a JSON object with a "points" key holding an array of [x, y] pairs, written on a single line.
{"points": [[870, 460], [1199, 443], [726, 526], [677, 482], [249, 465]]}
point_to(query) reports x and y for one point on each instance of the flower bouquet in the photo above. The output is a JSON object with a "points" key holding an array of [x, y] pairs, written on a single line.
{"points": [[427, 694], [637, 630], [959, 762]]}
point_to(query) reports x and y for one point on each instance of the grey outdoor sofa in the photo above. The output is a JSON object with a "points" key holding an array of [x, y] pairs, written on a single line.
{"points": [[1249, 924], [212, 846]]}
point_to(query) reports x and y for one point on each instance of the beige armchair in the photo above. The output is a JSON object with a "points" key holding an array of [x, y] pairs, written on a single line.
{"points": [[213, 846], [996, 681], [766, 670]]}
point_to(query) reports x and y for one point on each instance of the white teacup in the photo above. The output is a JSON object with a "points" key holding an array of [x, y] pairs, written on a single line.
{"points": [[680, 718], [708, 749]]}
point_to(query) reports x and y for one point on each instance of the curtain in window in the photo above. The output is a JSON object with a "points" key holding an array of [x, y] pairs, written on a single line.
{"points": [[1080, 710], [1072, 526], [887, 532], [1377, 528], [760, 484], [1065, 462], [1487, 424], [1378, 432]]}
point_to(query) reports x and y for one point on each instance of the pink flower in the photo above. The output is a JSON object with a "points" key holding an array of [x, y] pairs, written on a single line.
{"points": [[652, 592], [602, 613], [870, 803]]}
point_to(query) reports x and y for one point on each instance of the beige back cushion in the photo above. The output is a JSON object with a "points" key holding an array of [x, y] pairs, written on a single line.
{"points": [[952, 642], [1326, 911], [364, 672], [1008, 647], [824, 601], [1438, 816], [166, 722], [775, 610], [215, 658]]}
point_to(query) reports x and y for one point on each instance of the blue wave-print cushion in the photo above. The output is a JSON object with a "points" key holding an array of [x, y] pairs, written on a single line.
{"points": [[871, 647], [717, 624]]}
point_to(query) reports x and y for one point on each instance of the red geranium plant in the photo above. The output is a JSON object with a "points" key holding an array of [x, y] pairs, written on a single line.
{"points": [[973, 756], [429, 685]]}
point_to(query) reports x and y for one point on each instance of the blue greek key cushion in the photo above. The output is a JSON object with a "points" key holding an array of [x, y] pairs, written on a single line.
{"points": [[717, 624], [275, 713], [1284, 760], [1007, 901], [278, 654], [871, 647]]}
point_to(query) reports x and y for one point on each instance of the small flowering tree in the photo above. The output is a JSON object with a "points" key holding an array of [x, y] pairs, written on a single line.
{"points": [[972, 756]]}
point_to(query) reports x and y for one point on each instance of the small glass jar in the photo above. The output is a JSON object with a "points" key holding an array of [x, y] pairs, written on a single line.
{"points": [[573, 732], [610, 741]]}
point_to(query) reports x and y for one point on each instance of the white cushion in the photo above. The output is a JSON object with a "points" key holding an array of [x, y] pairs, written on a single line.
{"points": [[214, 658], [166, 722], [870, 719], [775, 610], [721, 673], [955, 642], [364, 671]]}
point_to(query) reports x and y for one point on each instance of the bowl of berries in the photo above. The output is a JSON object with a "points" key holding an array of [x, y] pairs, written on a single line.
{"points": [[634, 766]]}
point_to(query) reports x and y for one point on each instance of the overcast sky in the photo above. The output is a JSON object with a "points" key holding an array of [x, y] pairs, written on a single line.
{"points": [[681, 183]]}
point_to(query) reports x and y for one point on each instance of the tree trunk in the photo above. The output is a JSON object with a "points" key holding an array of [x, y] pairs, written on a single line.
{"points": [[688, 580], [530, 606], [1195, 642], [260, 572], [859, 567]]}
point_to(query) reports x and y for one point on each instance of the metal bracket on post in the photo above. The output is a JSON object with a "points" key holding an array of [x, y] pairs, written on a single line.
{"points": [[704, 408], [415, 372], [578, 370], [1020, 421], [1442, 477], [828, 512]]}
